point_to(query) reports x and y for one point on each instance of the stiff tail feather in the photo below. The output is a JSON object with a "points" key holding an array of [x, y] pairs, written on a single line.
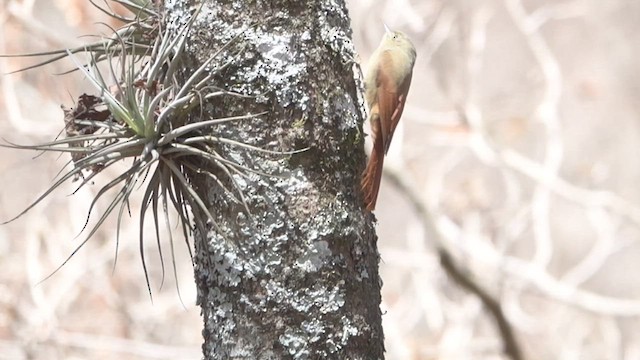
{"points": [[373, 173]]}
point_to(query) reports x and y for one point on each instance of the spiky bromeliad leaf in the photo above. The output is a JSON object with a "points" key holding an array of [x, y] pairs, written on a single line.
{"points": [[135, 37]]}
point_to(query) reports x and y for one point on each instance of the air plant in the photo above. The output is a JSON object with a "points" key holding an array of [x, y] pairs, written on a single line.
{"points": [[144, 119]]}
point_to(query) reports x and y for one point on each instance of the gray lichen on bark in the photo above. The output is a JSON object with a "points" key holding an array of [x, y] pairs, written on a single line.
{"points": [[297, 277]]}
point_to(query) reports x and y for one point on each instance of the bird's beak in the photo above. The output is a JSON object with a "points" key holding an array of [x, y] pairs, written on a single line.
{"points": [[386, 28]]}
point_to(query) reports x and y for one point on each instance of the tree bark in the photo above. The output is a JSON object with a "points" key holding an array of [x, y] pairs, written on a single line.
{"points": [[297, 275]]}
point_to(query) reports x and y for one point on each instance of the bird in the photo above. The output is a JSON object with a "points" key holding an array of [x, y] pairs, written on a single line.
{"points": [[386, 83]]}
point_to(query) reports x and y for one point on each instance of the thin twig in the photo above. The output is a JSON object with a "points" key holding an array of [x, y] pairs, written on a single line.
{"points": [[511, 347]]}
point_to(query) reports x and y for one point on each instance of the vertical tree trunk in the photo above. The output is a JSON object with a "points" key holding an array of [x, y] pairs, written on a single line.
{"points": [[298, 277]]}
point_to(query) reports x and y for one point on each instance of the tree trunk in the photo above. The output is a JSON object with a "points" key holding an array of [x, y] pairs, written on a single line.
{"points": [[295, 276]]}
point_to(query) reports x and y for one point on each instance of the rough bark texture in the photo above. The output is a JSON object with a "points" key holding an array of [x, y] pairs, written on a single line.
{"points": [[298, 277]]}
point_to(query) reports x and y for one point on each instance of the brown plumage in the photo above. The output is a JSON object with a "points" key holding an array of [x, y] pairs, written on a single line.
{"points": [[386, 85]]}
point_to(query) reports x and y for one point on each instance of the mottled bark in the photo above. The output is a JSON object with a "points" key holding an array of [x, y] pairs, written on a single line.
{"points": [[298, 277]]}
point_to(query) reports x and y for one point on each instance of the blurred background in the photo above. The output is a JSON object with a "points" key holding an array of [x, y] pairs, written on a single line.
{"points": [[518, 139]]}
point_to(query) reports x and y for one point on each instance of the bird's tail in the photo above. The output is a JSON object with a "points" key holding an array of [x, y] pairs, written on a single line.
{"points": [[373, 173]]}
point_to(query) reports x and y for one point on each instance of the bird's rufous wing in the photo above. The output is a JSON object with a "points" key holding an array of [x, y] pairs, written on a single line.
{"points": [[391, 99]]}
